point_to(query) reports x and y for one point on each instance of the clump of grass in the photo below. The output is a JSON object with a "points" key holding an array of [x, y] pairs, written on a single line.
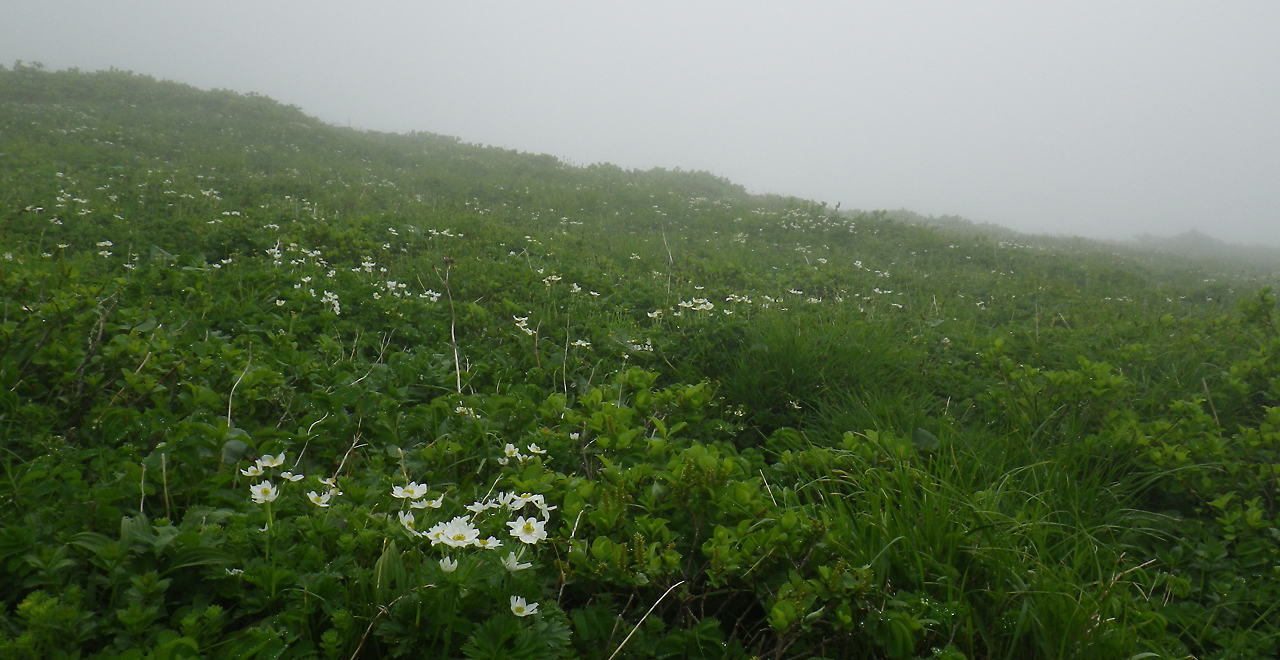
{"points": [[1020, 553]]}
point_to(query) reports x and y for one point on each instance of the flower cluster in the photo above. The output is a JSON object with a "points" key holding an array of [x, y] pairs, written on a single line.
{"points": [[265, 491], [698, 304], [511, 451], [636, 347], [394, 288], [322, 500], [331, 299]]}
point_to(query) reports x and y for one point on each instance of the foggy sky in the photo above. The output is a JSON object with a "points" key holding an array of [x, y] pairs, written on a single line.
{"points": [[1102, 119]]}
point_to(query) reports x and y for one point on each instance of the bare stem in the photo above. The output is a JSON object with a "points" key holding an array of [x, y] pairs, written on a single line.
{"points": [[232, 396], [641, 621], [453, 319]]}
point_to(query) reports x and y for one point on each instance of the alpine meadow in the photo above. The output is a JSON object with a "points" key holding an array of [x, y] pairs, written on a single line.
{"points": [[276, 389]]}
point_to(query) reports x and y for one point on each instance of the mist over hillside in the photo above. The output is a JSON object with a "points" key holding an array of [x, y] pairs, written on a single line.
{"points": [[1199, 249]]}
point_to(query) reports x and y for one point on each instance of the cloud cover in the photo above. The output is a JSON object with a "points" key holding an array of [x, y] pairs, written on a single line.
{"points": [[1094, 118]]}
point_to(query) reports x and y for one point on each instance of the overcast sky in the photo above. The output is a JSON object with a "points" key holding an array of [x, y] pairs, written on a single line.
{"points": [[1104, 119]]}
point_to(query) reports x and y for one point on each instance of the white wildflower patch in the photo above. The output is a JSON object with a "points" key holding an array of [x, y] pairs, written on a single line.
{"points": [[331, 299], [697, 304]]}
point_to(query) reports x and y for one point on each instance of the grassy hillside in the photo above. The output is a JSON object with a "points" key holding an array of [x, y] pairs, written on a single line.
{"points": [[897, 440]]}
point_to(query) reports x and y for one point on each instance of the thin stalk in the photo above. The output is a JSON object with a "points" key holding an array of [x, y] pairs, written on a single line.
{"points": [[641, 621], [164, 473], [453, 320]]}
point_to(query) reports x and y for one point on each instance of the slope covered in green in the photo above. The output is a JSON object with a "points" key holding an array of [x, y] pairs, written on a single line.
{"points": [[272, 388]]}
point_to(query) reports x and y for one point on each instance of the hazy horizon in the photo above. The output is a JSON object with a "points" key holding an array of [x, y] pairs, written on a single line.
{"points": [[1091, 119]]}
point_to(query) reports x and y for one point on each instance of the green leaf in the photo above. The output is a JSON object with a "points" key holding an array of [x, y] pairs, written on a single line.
{"points": [[199, 556], [924, 440]]}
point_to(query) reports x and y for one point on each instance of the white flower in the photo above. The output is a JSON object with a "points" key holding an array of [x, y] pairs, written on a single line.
{"points": [[235, 571], [504, 499], [448, 564], [535, 449], [520, 608], [512, 452], [407, 520], [264, 492], [582, 343], [321, 501], [541, 502], [412, 491], [457, 533], [333, 492], [491, 543], [513, 563], [331, 482], [655, 314], [480, 507], [254, 470], [279, 303], [291, 476], [269, 461], [428, 504], [528, 530], [518, 501], [575, 435]]}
